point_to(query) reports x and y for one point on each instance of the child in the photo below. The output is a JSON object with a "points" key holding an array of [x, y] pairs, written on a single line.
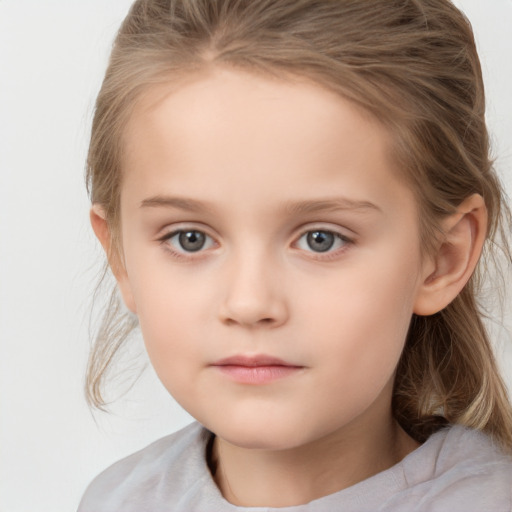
{"points": [[293, 196]]}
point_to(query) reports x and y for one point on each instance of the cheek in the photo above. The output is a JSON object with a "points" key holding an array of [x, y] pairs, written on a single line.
{"points": [[363, 318], [169, 311]]}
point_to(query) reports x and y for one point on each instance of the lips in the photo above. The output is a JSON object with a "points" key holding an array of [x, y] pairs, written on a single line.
{"points": [[252, 361], [259, 369]]}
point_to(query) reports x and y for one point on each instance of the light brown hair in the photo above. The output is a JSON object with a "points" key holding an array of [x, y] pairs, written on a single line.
{"points": [[413, 65]]}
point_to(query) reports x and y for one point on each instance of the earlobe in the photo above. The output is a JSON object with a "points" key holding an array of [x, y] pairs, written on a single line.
{"points": [[102, 231], [456, 257]]}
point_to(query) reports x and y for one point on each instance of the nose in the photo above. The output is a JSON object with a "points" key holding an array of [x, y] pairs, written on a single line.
{"points": [[254, 295]]}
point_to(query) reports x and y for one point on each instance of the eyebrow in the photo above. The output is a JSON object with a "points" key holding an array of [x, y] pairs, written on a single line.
{"points": [[181, 203], [329, 205], [291, 207]]}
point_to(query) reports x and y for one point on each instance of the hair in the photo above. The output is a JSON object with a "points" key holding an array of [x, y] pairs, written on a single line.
{"points": [[413, 66]]}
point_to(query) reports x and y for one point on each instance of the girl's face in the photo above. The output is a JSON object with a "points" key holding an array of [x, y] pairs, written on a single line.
{"points": [[272, 255]]}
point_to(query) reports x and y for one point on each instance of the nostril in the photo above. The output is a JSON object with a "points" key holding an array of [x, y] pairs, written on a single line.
{"points": [[247, 322]]}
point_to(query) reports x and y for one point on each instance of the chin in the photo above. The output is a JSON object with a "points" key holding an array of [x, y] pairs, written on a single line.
{"points": [[262, 434], [258, 440]]}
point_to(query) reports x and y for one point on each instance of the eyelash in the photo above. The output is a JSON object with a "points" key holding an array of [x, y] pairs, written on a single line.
{"points": [[182, 255], [329, 254], [319, 255]]}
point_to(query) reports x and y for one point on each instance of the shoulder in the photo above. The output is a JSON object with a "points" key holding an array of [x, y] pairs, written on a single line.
{"points": [[175, 463], [459, 447], [460, 469]]}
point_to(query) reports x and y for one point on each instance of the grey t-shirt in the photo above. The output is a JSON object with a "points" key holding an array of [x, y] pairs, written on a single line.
{"points": [[456, 469]]}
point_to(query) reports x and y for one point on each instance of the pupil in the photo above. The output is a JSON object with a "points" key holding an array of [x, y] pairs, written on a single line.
{"points": [[192, 240], [320, 241]]}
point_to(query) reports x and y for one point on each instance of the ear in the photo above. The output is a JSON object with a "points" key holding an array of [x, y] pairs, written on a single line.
{"points": [[102, 231], [456, 257]]}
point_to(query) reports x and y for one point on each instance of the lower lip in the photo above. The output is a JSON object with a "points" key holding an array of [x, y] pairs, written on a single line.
{"points": [[257, 374]]}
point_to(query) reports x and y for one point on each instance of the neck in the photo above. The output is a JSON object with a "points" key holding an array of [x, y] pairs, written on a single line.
{"points": [[270, 478]]}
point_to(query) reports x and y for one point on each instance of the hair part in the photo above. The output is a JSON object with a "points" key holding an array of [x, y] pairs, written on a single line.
{"points": [[414, 67]]}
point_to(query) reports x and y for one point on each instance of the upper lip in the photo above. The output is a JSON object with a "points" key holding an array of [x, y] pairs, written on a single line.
{"points": [[252, 361]]}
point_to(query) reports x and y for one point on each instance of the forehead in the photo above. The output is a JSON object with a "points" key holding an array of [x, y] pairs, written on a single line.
{"points": [[229, 132], [220, 98]]}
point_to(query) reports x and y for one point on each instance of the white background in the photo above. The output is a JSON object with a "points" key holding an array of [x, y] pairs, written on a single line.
{"points": [[52, 58]]}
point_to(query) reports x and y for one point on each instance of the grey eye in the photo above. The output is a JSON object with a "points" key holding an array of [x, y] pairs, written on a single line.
{"points": [[320, 241], [188, 241], [191, 241]]}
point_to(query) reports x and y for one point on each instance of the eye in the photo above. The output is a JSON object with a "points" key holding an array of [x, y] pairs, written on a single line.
{"points": [[188, 240], [321, 241]]}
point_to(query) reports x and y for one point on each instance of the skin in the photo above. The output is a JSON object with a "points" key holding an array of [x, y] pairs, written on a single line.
{"points": [[236, 157]]}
